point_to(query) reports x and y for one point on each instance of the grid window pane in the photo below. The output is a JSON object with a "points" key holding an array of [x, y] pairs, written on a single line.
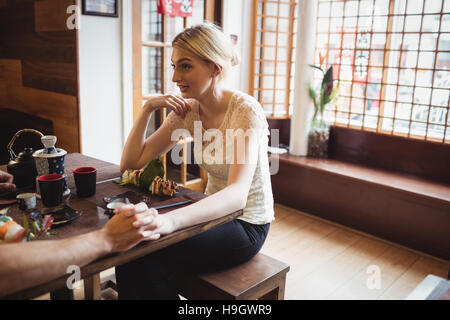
{"points": [[432, 6], [445, 25], [151, 70], [198, 13], [151, 22], [392, 65], [275, 34], [174, 25]]}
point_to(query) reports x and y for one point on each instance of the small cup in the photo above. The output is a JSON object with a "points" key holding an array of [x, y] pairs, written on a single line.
{"points": [[51, 187], [115, 205], [85, 181], [27, 201]]}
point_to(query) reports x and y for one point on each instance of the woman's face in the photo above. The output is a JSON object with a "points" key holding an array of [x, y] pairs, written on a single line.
{"points": [[192, 75]]}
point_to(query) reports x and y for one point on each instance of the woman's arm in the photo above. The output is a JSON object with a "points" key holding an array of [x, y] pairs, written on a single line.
{"points": [[137, 151], [230, 199]]}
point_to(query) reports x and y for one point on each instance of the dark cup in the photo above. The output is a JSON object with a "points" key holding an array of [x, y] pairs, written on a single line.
{"points": [[51, 187], [85, 181]]}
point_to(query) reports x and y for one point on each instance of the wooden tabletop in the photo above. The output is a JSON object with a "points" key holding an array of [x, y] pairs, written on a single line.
{"points": [[93, 217]]}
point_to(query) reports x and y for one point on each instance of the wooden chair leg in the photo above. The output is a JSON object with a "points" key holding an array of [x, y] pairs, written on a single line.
{"points": [[184, 165], [278, 292], [62, 294], [282, 288], [271, 295], [92, 288], [204, 177]]}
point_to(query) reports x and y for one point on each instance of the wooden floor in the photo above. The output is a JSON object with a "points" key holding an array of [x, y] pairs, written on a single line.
{"points": [[329, 261]]}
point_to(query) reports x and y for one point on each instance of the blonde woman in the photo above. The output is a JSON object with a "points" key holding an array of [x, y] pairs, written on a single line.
{"points": [[201, 57]]}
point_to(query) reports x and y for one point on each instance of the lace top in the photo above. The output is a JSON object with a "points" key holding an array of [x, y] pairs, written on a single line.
{"points": [[243, 112]]}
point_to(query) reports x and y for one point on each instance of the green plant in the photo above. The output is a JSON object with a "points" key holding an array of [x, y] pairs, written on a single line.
{"points": [[325, 95], [41, 227]]}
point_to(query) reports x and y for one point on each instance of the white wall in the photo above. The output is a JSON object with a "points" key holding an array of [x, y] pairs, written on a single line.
{"points": [[236, 20], [100, 76]]}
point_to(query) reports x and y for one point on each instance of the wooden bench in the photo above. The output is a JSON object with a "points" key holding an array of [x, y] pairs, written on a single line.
{"points": [[262, 277]]}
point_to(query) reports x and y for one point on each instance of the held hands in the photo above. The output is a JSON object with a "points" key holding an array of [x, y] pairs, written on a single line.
{"points": [[128, 227], [153, 224], [178, 104], [6, 182]]}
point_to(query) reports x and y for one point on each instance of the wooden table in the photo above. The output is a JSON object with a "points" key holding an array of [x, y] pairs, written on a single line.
{"points": [[94, 217]]}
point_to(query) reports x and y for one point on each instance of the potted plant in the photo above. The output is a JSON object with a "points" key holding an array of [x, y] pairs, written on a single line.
{"points": [[320, 132]]}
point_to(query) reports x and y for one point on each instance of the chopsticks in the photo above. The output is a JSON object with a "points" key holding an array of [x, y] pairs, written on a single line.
{"points": [[168, 205]]}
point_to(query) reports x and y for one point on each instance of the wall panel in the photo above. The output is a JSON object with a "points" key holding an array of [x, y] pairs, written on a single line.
{"points": [[38, 65]]}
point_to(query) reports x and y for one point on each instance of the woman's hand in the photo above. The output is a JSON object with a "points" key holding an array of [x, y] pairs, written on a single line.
{"points": [[176, 103], [124, 231], [153, 224]]}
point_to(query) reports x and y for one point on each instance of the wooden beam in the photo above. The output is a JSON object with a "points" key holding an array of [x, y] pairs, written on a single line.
{"points": [[209, 10], [137, 58]]}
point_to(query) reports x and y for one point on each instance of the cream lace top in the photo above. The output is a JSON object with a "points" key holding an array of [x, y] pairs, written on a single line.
{"points": [[243, 112]]}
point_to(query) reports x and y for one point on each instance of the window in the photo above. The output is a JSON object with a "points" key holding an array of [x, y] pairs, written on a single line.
{"points": [[391, 61], [272, 67]]}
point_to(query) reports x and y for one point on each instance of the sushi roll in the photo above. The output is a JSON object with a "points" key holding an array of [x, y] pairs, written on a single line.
{"points": [[11, 231], [163, 187], [155, 187]]}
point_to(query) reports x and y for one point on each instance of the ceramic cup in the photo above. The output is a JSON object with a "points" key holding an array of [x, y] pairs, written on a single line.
{"points": [[27, 201], [115, 205], [85, 181], [51, 187]]}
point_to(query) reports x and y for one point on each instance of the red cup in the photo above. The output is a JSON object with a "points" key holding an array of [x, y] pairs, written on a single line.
{"points": [[85, 181], [51, 187]]}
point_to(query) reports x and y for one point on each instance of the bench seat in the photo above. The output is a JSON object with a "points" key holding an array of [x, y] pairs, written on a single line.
{"points": [[398, 207], [262, 277]]}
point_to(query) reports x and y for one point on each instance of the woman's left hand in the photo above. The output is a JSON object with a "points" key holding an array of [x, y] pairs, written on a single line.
{"points": [[149, 218]]}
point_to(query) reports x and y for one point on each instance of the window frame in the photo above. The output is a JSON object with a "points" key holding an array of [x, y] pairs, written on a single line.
{"points": [[289, 76], [385, 78]]}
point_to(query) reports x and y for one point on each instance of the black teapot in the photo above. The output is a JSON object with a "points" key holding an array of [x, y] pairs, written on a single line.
{"points": [[22, 167]]}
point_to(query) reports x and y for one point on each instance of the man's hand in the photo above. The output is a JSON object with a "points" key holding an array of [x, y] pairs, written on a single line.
{"points": [[6, 182], [124, 231], [148, 219]]}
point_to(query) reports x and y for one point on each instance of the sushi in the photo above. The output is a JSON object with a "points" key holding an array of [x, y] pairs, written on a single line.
{"points": [[11, 231], [163, 187]]}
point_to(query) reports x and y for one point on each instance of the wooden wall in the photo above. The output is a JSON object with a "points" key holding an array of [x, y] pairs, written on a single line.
{"points": [[38, 65]]}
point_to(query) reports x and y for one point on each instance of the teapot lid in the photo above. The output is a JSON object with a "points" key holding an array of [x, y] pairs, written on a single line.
{"points": [[42, 153], [49, 150]]}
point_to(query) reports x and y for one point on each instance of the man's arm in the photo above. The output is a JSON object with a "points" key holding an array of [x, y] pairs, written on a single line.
{"points": [[24, 265]]}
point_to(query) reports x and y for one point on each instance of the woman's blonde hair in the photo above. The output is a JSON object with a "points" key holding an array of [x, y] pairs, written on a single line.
{"points": [[209, 43]]}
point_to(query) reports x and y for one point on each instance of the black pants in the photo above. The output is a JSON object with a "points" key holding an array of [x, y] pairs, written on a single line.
{"points": [[222, 247]]}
